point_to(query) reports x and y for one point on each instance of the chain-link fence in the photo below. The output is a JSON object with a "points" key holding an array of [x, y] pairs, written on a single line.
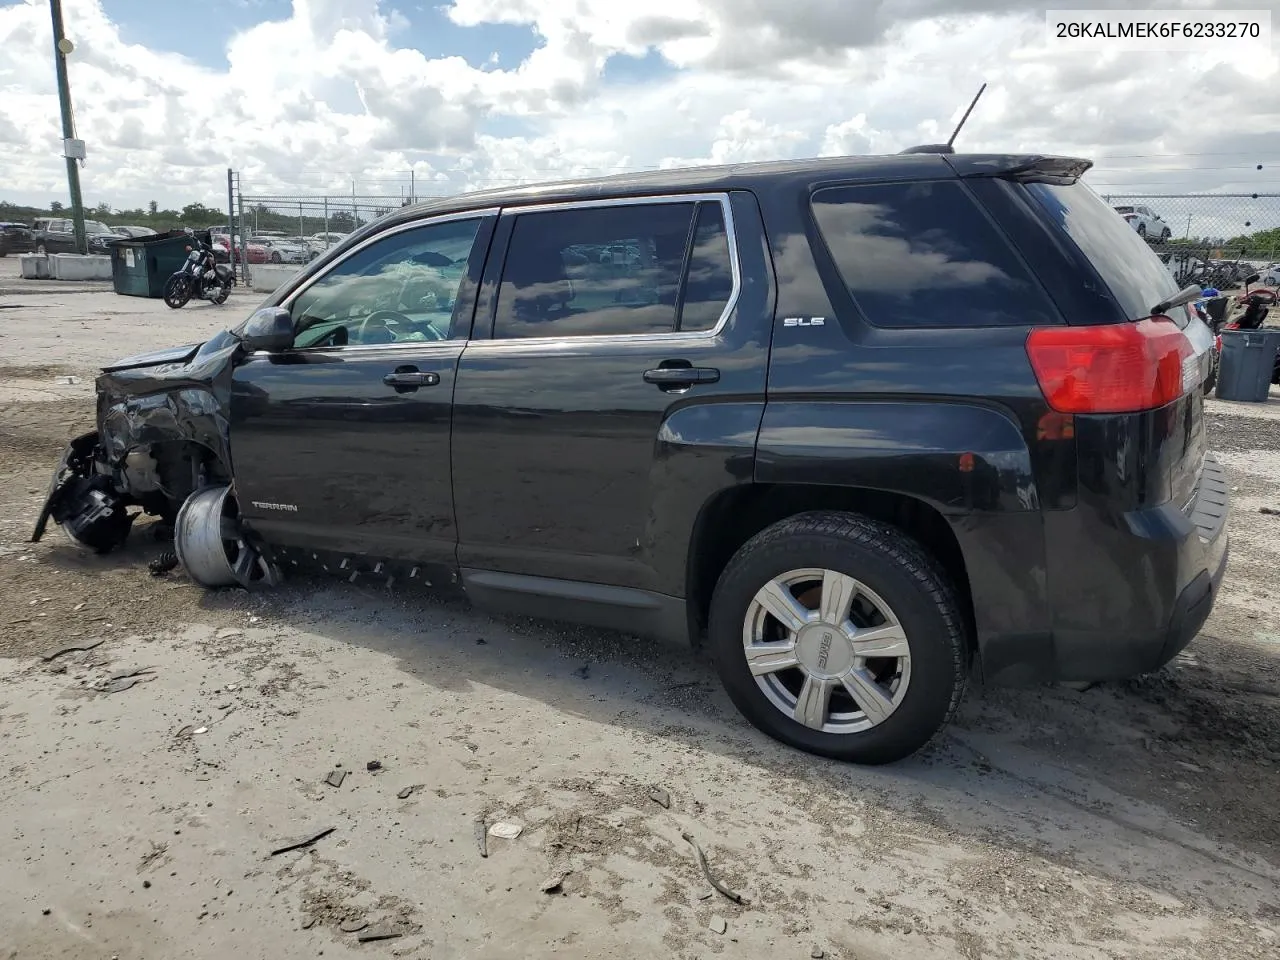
{"points": [[1213, 239], [309, 216]]}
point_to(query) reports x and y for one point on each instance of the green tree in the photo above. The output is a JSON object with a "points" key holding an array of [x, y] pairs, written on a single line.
{"points": [[152, 207], [102, 210], [55, 207]]}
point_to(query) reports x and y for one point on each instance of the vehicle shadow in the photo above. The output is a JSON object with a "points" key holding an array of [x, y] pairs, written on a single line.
{"points": [[1055, 773]]}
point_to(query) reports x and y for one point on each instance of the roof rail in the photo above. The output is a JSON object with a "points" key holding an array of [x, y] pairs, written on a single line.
{"points": [[930, 148]]}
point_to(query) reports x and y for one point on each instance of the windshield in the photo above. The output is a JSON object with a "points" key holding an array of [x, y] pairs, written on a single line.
{"points": [[93, 226], [1132, 272]]}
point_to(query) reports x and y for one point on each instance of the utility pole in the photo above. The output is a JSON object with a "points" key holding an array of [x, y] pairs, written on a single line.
{"points": [[412, 187], [72, 148]]}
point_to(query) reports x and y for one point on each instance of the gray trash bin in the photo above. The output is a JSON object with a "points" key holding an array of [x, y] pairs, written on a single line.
{"points": [[1248, 359]]}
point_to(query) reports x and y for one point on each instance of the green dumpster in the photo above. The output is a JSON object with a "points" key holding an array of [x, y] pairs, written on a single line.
{"points": [[140, 267]]}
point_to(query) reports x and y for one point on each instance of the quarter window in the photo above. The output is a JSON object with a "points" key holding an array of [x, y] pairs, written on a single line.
{"points": [[616, 269], [401, 289], [925, 255]]}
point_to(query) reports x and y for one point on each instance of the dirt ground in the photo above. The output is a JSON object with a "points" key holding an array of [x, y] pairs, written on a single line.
{"points": [[1133, 819]]}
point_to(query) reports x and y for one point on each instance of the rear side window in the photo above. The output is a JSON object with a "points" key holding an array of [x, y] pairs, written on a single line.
{"points": [[1129, 268], [925, 255], [615, 270]]}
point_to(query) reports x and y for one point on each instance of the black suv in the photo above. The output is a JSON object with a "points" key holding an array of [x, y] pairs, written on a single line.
{"points": [[15, 238], [854, 421], [55, 235]]}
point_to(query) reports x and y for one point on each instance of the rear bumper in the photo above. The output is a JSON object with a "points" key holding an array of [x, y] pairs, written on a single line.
{"points": [[1142, 594]]}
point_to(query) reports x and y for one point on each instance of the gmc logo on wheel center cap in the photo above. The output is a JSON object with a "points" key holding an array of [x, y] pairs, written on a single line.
{"points": [[824, 651]]}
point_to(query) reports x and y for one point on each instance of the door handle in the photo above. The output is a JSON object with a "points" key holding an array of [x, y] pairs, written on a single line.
{"points": [[411, 378], [681, 376]]}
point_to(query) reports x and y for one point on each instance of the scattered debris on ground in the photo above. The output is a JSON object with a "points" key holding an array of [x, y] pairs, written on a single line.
{"points": [[718, 925], [335, 777], [661, 797], [303, 843], [706, 872], [74, 648], [505, 830]]}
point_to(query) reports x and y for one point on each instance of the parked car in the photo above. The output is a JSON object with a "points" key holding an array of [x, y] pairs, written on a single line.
{"points": [[1270, 275], [323, 241], [282, 250], [312, 250], [851, 422], [57, 235], [1146, 222], [133, 233], [16, 238]]}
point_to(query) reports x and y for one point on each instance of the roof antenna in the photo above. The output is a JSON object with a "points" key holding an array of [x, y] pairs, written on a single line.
{"points": [[955, 133], [948, 146]]}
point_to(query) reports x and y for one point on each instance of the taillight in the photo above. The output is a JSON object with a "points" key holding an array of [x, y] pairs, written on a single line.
{"points": [[1117, 368]]}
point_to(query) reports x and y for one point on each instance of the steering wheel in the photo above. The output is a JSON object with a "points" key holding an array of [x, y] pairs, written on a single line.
{"points": [[380, 319]]}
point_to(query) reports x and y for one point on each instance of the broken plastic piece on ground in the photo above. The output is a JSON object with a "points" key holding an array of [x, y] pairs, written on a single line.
{"points": [[381, 932], [661, 797], [407, 792], [718, 925], [505, 830], [335, 777], [308, 923], [66, 381], [305, 842], [552, 884], [353, 925]]}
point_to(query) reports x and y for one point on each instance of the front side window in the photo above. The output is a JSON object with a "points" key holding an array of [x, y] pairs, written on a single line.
{"points": [[400, 289], [615, 270], [925, 255]]}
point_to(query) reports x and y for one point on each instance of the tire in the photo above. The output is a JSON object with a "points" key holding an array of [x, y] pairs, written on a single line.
{"points": [[276, 258], [177, 291], [1165, 234], [918, 693], [1142, 230], [224, 291]]}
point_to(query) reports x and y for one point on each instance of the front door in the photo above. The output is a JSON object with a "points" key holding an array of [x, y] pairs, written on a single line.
{"points": [[341, 443], [610, 344]]}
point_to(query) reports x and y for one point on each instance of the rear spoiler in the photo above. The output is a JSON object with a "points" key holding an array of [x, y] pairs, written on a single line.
{"points": [[1021, 168]]}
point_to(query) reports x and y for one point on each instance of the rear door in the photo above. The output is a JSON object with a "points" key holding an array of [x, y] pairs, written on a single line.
{"points": [[610, 346]]}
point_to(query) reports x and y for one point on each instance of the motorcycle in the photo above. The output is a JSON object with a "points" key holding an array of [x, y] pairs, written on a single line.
{"points": [[200, 276]]}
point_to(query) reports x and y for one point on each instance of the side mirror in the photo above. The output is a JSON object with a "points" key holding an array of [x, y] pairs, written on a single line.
{"points": [[269, 330]]}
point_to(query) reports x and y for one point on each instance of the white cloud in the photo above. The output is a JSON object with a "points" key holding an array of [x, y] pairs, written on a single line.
{"points": [[336, 93]]}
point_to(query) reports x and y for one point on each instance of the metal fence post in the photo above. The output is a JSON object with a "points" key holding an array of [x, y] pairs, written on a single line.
{"points": [[326, 220]]}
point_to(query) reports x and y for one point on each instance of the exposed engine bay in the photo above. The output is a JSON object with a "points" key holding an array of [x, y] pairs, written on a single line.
{"points": [[161, 449]]}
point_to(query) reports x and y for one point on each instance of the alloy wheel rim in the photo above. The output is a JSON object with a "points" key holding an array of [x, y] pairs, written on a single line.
{"points": [[826, 650]]}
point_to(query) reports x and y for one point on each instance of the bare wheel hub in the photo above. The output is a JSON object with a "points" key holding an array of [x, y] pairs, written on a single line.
{"points": [[827, 650]]}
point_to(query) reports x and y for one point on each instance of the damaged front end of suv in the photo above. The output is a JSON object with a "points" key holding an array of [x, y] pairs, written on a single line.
{"points": [[162, 448]]}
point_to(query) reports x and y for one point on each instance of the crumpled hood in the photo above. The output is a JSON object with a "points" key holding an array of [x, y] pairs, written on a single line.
{"points": [[155, 357]]}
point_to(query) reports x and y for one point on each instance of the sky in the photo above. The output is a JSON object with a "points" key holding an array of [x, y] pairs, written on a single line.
{"points": [[303, 97]]}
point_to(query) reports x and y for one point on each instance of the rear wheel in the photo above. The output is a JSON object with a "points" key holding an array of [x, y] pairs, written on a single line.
{"points": [[1142, 230], [839, 635], [177, 291], [276, 258], [222, 293]]}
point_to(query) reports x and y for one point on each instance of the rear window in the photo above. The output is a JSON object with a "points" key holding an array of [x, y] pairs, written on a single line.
{"points": [[1129, 268], [924, 254], [1124, 209]]}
